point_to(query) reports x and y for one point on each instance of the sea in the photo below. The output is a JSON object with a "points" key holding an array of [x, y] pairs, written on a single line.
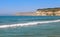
{"points": [[29, 26]]}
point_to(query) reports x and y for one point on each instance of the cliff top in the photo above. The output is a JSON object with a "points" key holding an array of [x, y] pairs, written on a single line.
{"points": [[49, 9]]}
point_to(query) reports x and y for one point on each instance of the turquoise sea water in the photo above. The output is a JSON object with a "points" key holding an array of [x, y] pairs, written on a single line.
{"points": [[29, 26]]}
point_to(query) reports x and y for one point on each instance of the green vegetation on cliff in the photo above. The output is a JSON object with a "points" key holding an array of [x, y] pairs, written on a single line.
{"points": [[49, 9]]}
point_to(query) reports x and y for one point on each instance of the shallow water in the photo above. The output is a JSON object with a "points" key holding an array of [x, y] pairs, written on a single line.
{"points": [[10, 26]]}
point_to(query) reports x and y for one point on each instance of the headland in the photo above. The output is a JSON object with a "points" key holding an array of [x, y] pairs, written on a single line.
{"points": [[41, 12]]}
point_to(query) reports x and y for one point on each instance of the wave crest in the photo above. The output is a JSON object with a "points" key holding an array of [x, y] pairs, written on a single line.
{"points": [[28, 23]]}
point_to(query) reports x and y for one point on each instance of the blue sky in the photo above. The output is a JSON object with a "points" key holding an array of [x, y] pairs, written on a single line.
{"points": [[8, 7]]}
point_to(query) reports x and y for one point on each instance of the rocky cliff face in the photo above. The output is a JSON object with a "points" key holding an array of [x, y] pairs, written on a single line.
{"points": [[48, 12]]}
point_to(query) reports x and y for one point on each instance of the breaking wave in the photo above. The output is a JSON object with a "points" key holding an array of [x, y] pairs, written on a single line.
{"points": [[28, 23]]}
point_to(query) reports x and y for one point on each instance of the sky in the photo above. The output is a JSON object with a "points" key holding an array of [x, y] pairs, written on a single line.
{"points": [[9, 7]]}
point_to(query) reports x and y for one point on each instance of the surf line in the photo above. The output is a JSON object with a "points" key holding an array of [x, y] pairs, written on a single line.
{"points": [[28, 23]]}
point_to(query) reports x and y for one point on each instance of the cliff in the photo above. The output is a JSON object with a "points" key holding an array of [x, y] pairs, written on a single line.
{"points": [[48, 12], [41, 12]]}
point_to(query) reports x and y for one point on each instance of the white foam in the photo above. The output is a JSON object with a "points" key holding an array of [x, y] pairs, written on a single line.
{"points": [[28, 23]]}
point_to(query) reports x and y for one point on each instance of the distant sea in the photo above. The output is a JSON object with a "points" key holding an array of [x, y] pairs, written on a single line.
{"points": [[29, 26]]}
